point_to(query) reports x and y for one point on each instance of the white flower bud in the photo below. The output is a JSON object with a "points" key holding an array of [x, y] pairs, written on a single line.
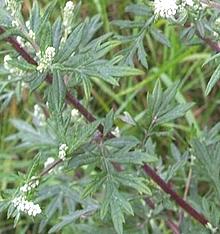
{"points": [[67, 12], [7, 58], [20, 40], [74, 113], [211, 228], [12, 6], [15, 23], [62, 151], [69, 6], [31, 34], [49, 54], [38, 116], [46, 60]]}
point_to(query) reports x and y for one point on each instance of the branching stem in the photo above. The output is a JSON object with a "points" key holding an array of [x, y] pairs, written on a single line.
{"points": [[148, 170]]}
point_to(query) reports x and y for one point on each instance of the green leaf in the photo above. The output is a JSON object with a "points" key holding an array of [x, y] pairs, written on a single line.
{"points": [[117, 217], [109, 190], [174, 168], [119, 204], [58, 91], [121, 71], [30, 137], [83, 159], [91, 27], [46, 37], [213, 80], [211, 58], [70, 45], [11, 32], [57, 33], [200, 27], [83, 134], [11, 209], [108, 122], [174, 113], [128, 23], [162, 107], [21, 64], [138, 9], [142, 55], [49, 211], [5, 18], [49, 10], [72, 217], [35, 19], [134, 157], [87, 86], [3, 205], [157, 35], [208, 156], [37, 81], [94, 185], [133, 181], [121, 142]]}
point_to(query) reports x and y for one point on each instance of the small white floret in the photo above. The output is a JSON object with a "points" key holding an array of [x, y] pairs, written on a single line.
{"points": [[62, 151], [74, 113]]}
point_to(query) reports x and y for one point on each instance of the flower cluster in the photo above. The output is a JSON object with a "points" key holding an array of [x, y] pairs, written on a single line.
{"points": [[11, 6], [165, 8], [46, 60], [38, 117], [31, 185], [169, 8], [62, 151], [67, 18], [31, 34], [67, 13], [28, 207], [13, 70], [22, 42]]}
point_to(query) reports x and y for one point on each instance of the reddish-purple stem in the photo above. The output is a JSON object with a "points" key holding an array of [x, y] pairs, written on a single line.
{"points": [[166, 188], [173, 227], [149, 171]]}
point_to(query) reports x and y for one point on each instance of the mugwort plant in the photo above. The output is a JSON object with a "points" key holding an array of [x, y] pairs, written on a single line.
{"points": [[78, 168]]}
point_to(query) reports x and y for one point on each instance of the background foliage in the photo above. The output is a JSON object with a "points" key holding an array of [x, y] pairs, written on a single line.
{"points": [[160, 106]]}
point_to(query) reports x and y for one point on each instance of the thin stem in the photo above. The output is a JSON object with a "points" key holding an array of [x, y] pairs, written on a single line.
{"points": [[50, 167], [213, 45], [187, 187], [73, 101], [166, 188], [173, 227]]}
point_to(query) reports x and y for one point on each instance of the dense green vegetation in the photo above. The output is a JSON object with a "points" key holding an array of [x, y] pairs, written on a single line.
{"points": [[148, 81]]}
